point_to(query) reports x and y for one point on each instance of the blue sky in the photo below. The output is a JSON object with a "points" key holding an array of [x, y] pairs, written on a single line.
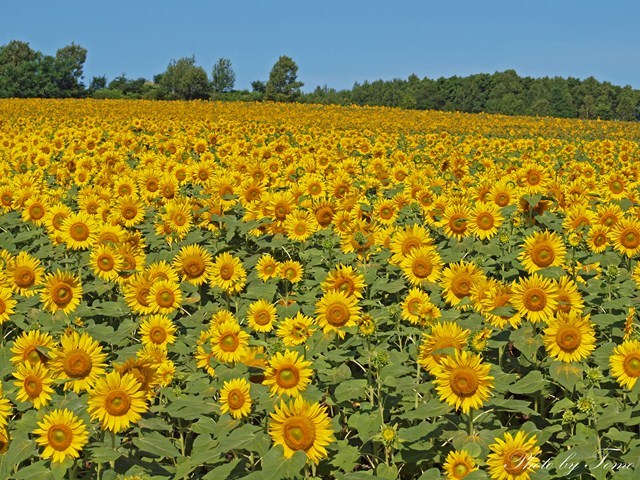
{"points": [[339, 42]]}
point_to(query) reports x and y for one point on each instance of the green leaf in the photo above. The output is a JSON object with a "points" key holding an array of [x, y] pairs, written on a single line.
{"points": [[223, 471], [387, 472], [347, 456], [533, 382], [351, 390], [566, 374], [276, 466], [35, 471], [156, 444], [247, 437]]}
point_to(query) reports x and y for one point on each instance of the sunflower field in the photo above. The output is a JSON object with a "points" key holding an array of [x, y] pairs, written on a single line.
{"points": [[221, 291]]}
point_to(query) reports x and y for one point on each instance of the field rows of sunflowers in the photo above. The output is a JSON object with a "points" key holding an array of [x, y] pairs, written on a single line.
{"points": [[265, 291]]}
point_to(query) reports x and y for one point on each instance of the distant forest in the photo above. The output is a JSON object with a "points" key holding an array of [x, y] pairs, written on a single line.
{"points": [[27, 73]]}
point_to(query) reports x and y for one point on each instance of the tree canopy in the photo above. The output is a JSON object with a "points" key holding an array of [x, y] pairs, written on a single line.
{"points": [[283, 84]]}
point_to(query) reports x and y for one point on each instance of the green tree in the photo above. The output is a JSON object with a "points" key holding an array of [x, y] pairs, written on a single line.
{"points": [[18, 70], [68, 68], [223, 78], [283, 84], [183, 79], [627, 107]]}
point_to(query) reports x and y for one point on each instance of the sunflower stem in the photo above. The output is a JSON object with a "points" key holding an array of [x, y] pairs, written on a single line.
{"points": [[73, 471], [470, 422]]}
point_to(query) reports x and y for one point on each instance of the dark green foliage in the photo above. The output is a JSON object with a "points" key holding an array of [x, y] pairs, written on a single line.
{"points": [[184, 80], [223, 78], [283, 84]]}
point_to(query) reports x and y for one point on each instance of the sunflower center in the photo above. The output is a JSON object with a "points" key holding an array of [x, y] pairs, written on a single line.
{"points": [[534, 299], [542, 255], [501, 199], [324, 216], [79, 231], [117, 403], [533, 178], [235, 399], [458, 223], [632, 365], [77, 364], [193, 266], [461, 285], [32, 385], [142, 292], [414, 306], [299, 433], [568, 338], [105, 262], [460, 470], [280, 212], [33, 356], [337, 314], [464, 381], [516, 461], [165, 298], [616, 187], [599, 239], [485, 221], [630, 238], [269, 269], [288, 377], [158, 335], [344, 285], [61, 294], [229, 342], [57, 220], [59, 437], [179, 219], [129, 212], [386, 213], [36, 211], [226, 272], [409, 244], [24, 277], [262, 318], [315, 189], [421, 267]]}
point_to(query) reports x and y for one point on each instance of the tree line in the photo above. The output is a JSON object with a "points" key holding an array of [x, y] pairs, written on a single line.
{"points": [[25, 72]]}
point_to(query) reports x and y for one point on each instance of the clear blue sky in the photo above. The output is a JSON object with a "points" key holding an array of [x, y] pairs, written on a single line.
{"points": [[339, 42]]}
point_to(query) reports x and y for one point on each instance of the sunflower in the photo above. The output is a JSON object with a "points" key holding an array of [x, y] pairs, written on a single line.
{"points": [[542, 250], [513, 458], [625, 363], [25, 274], [535, 297], [267, 267], [109, 234], [484, 220], [568, 296], [503, 193], [609, 215], [458, 280], [79, 231], [499, 296], [162, 270], [144, 370], [35, 209], [296, 330], [116, 401], [178, 215], [455, 221], [5, 409], [136, 292], [625, 237], [422, 265], [287, 373], [32, 347], [62, 292], [204, 356], [385, 211], [229, 342], [405, 240], [193, 263], [164, 297], [4, 440], [7, 304], [324, 211], [346, 279], [569, 337], [227, 273], [414, 305], [335, 310], [443, 335], [129, 211], [106, 262], [78, 360], [261, 316], [62, 434], [597, 241], [300, 425], [300, 225], [235, 398], [458, 465], [463, 381], [34, 384], [291, 270], [157, 330]]}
